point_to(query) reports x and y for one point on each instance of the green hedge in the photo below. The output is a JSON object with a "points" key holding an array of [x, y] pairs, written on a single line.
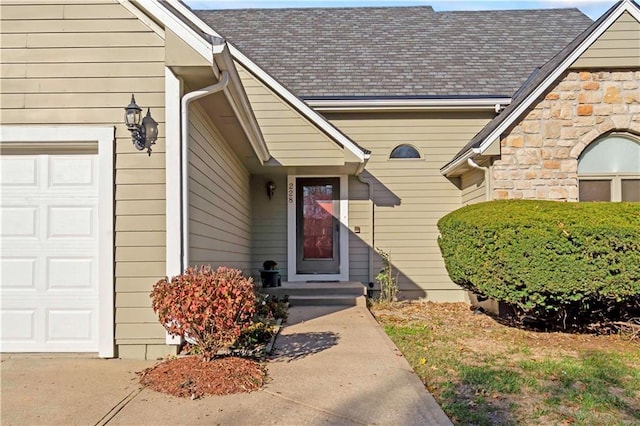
{"points": [[545, 256]]}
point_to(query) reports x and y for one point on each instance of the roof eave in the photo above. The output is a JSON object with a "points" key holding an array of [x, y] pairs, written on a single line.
{"points": [[293, 100], [619, 9], [408, 104]]}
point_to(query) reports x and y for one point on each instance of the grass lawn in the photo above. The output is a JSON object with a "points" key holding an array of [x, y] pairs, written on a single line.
{"points": [[485, 373]]}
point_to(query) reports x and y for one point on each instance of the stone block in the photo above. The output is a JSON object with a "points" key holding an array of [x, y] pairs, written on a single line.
{"points": [[501, 195], [585, 75], [546, 153], [551, 164], [551, 129], [561, 153], [590, 85], [566, 113], [630, 85], [612, 95], [542, 193], [558, 193], [622, 76], [530, 174], [567, 96], [576, 151], [552, 96], [503, 184], [602, 110], [522, 184], [534, 114], [528, 156], [533, 140], [590, 97], [585, 110], [530, 126], [569, 86], [584, 121], [515, 141]]}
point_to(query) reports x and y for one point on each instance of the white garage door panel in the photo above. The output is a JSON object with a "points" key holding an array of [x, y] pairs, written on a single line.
{"points": [[49, 253]]}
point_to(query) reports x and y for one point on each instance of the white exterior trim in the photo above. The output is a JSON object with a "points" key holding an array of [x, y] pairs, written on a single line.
{"points": [[293, 100], [105, 136], [182, 30], [356, 105], [292, 234], [172, 94], [625, 6]]}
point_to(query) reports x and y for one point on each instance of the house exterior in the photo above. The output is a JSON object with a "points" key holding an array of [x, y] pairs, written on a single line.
{"points": [[309, 137]]}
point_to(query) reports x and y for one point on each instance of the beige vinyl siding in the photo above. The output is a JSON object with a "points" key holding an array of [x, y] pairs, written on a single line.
{"points": [[292, 140], [78, 63], [618, 47], [219, 199], [411, 195], [269, 223], [360, 212], [473, 187]]}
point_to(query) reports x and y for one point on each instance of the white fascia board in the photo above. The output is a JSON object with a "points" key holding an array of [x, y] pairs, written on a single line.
{"points": [[354, 105], [460, 161], [242, 107], [200, 45], [293, 100], [625, 6]]}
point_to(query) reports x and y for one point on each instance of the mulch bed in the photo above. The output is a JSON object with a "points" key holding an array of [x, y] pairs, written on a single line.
{"points": [[192, 377]]}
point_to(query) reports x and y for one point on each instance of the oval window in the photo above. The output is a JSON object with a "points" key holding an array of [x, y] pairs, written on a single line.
{"points": [[404, 151]]}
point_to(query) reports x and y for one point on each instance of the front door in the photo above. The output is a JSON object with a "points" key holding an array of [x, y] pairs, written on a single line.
{"points": [[318, 225]]}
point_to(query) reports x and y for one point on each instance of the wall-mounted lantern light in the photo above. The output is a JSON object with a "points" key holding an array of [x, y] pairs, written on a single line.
{"points": [[143, 134], [271, 189]]}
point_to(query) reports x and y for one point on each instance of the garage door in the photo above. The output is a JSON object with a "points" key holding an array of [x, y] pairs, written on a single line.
{"points": [[49, 253]]}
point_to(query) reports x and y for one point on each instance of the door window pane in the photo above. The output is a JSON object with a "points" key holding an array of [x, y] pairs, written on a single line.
{"points": [[595, 190], [317, 221], [631, 190]]}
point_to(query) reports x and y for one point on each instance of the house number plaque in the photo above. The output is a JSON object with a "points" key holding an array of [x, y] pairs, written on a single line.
{"points": [[290, 192]]}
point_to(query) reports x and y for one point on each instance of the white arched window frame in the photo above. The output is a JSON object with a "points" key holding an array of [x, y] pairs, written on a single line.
{"points": [[609, 170]]}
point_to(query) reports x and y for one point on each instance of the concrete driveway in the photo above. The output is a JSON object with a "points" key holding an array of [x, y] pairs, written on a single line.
{"points": [[332, 365]]}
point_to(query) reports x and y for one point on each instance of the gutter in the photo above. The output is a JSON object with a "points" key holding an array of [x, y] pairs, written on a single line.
{"points": [[184, 149], [461, 160], [407, 104]]}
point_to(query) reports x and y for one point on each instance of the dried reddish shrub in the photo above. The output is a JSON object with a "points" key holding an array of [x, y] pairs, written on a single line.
{"points": [[210, 308]]}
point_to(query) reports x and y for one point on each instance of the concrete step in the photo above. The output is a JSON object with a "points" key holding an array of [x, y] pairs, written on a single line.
{"points": [[353, 289], [330, 300]]}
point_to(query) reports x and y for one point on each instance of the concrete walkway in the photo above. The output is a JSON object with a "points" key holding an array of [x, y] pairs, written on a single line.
{"points": [[332, 365]]}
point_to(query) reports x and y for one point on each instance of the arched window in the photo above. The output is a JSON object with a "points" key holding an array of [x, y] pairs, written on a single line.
{"points": [[609, 170], [404, 151]]}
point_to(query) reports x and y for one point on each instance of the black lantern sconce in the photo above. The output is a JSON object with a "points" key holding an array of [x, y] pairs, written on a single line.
{"points": [[271, 189], [143, 134]]}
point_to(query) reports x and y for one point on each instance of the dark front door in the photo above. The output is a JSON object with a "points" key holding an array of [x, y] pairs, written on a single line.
{"points": [[318, 225]]}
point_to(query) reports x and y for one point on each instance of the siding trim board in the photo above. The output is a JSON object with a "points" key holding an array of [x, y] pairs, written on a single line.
{"points": [[105, 137]]}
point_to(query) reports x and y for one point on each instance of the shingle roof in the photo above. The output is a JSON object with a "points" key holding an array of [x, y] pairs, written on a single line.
{"points": [[532, 84], [398, 51]]}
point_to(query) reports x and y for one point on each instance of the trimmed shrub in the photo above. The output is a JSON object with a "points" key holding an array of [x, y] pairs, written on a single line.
{"points": [[546, 257], [210, 308]]}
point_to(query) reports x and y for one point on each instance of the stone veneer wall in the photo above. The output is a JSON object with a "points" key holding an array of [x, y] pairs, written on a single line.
{"points": [[539, 156]]}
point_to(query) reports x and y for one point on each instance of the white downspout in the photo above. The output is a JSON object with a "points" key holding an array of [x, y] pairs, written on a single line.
{"points": [[184, 156], [487, 176]]}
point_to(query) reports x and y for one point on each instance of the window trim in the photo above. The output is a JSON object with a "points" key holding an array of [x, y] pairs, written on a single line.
{"points": [[616, 182], [421, 157]]}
